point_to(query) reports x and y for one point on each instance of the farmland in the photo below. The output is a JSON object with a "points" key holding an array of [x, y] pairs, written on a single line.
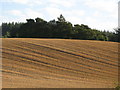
{"points": [[59, 63]]}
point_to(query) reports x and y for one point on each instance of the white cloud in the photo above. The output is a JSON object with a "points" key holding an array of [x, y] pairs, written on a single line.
{"points": [[74, 20], [65, 3], [97, 14], [35, 2], [29, 13], [100, 24], [100, 14], [104, 13], [16, 1], [104, 5], [11, 19], [25, 2], [21, 16], [74, 16], [53, 12], [71, 15], [15, 12], [76, 12], [20, 1]]}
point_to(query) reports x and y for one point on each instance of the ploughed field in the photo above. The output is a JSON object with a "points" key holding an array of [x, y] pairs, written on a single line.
{"points": [[58, 63]]}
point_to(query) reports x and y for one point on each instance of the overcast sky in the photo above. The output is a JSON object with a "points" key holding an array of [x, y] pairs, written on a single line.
{"points": [[98, 14]]}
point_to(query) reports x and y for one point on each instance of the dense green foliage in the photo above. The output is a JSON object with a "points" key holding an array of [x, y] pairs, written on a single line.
{"points": [[61, 28], [117, 88]]}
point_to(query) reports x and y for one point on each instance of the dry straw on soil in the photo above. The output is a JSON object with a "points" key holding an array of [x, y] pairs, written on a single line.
{"points": [[59, 63]]}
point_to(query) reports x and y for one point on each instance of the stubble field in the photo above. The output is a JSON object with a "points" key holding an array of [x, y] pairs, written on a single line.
{"points": [[59, 63]]}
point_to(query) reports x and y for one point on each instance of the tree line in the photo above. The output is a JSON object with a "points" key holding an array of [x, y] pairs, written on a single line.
{"points": [[40, 28]]}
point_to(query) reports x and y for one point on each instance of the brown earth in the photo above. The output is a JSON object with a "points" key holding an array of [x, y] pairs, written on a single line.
{"points": [[59, 63]]}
